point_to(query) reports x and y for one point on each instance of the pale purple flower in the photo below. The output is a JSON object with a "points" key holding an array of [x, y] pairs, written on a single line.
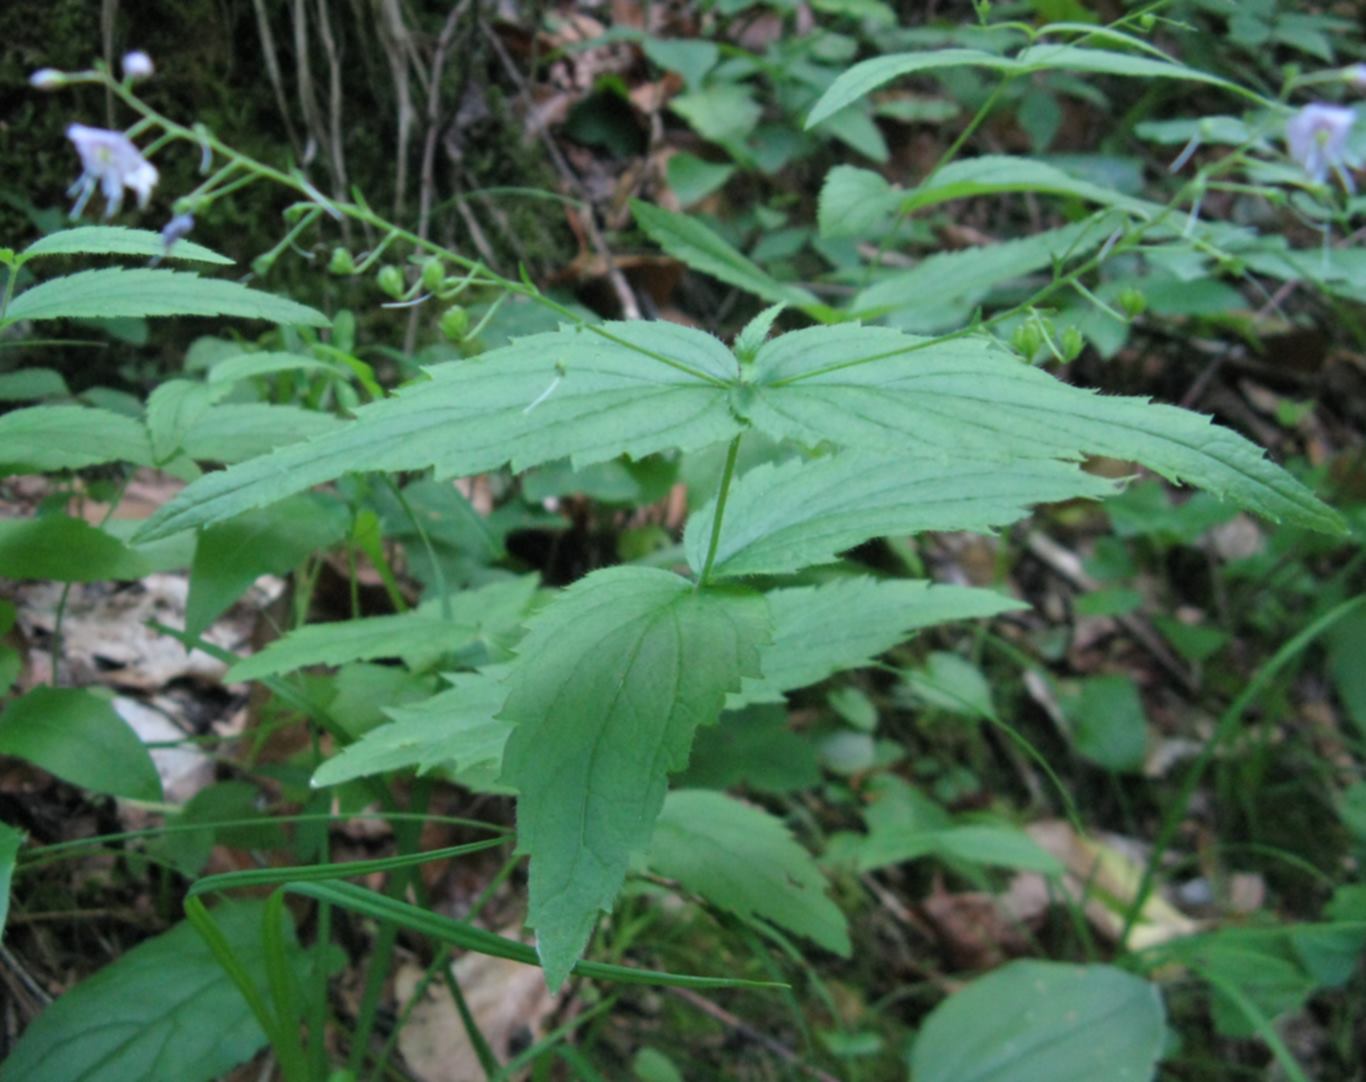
{"points": [[137, 65], [177, 227], [109, 159], [47, 79], [1317, 138]]}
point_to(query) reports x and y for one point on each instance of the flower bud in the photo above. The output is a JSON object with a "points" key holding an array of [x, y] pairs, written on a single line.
{"points": [[47, 79], [1027, 339], [1133, 302], [433, 275], [341, 263], [260, 266], [390, 281], [455, 321], [1071, 343], [137, 65]]}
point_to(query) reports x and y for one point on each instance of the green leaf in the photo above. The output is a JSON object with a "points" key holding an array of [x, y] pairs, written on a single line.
{"points": [[873, 386], [821, 630], [995, 846], [949, 682], [32, 385], [1107, 722], [692, 179], [854, 201], [691, 58], [1044, 1022], [993, 174], [250, 365], [609, 685], [589, 394], [337, 643], [457, 728], [720, 112], [64, 549], [791, 515], [10, 841], [44, 438], [119, 240], [172, 412], [237, 431], [863, 78], [755, 747], [116, 291], [231, 556], [163, 1010], [1346, 648], [80, 738], [691, 242], [742, 859]]}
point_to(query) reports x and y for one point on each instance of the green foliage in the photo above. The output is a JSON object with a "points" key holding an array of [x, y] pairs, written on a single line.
{"points": [[79, 737], [165, 1010], [1044, 1022], [10, 841], [69, 437], [120, 240], [611, 682], [66, 550]]}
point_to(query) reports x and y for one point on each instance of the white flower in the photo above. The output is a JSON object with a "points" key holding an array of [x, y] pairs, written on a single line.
{"points": [[110, 159], [137, 65], [1317, 138], [47, 79]]}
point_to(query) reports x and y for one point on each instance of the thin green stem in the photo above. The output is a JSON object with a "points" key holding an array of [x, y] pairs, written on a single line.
{"points": [[722, 495]]}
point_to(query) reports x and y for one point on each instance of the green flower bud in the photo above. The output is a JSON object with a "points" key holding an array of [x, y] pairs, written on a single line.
{"points": [[1147, 21], [341, 263], [1027, 339], [433, 275], [1071, 343], [390, 280], [1133, 302], [260, 266], [455, 321]]}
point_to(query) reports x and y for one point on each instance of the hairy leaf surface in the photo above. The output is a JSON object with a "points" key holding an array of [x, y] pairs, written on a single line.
{"points": [[791, 515], [609, 685], [110, 292], [741, 858], [564, 394], [874, 386]]}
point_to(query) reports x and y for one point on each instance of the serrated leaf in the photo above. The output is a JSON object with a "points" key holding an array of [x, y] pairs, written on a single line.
{"points": [[993, 174], [853, 201], [237, 431], [609, 685], [787, 516], [172, 411], [80, 738], [821, 630], [116, 291], [120, 240], [457, 728], [691, 242], [1044, 1022], [565, 394], [163, 1010], [229, 557], [65, 549], [337, 643], [10, 841], [874, 386], [742, 859], [865, 77], [43, 438]]}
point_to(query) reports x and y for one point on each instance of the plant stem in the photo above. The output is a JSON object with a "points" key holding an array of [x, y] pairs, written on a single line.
{"points": [[722, 495]]}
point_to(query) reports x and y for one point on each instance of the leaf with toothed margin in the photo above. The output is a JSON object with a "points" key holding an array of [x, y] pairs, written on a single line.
{"points": [[588, 394], [609, 685], [874, 388]]}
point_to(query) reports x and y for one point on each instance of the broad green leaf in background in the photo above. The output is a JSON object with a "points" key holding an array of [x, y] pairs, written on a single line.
{"points": [[609, 685], [173, 410], [165, 1011], [458, 728], [691, 58], [742, 859], [43, 438], [115, 291], [33, 385], [788, 516], [987, 845], [691, 242], [948, 681], [120, 240], [65, 549], [846, 623], [721, 112], [753, 746], [692, 179], [231, 556], [995, 174], [853, 201], [80, 738], [1346, 651], [1044, 1022], [1107, 722], [236, 431], [874, 386], [10, 841], [865, 77], [250, 365], [571, 393]]}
